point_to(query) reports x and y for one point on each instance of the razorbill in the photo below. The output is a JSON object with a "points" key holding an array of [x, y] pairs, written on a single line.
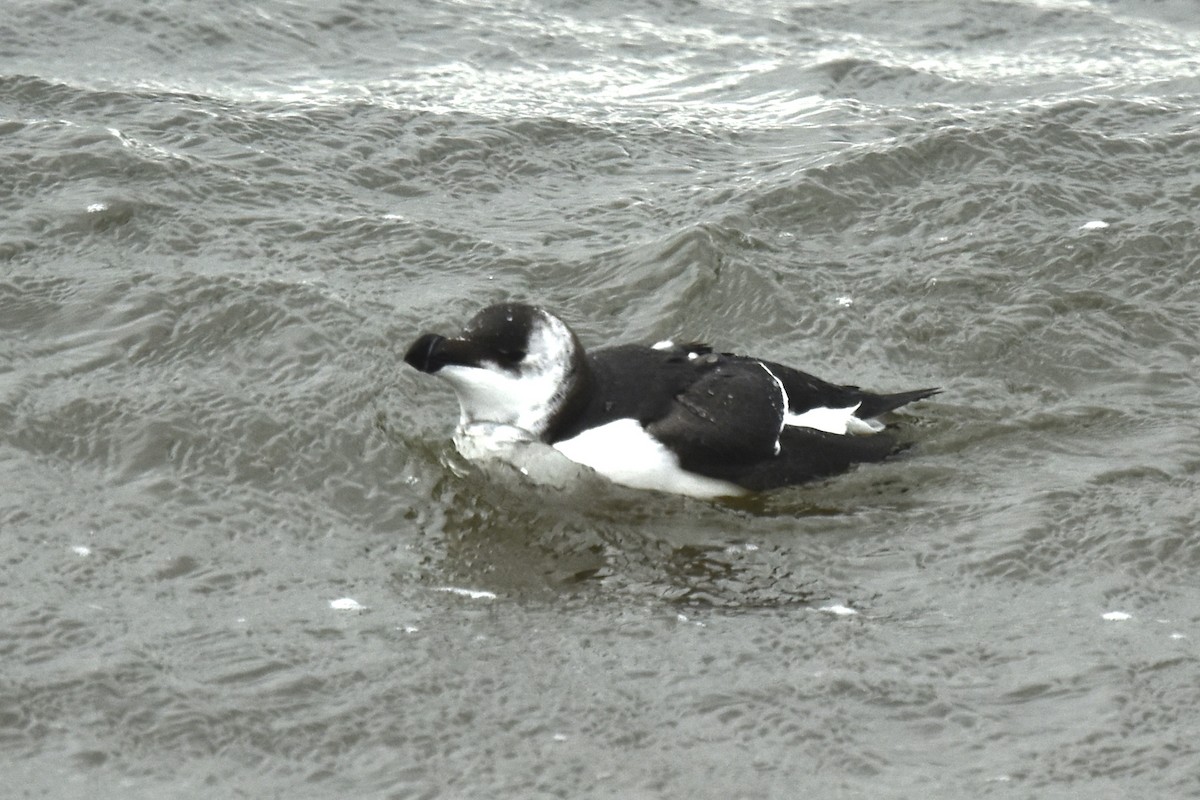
{"points": [[672, 417]]}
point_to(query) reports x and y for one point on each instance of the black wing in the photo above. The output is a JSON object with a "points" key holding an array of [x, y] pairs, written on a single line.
{"points": [[807, 455], [730, 414], [728, 424], [723, 414]]}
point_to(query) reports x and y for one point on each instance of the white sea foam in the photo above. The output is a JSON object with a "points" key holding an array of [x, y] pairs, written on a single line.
{"points": [[474, 594]]}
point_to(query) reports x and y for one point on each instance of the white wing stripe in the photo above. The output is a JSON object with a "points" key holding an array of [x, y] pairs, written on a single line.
{"points": [[786, 402]]}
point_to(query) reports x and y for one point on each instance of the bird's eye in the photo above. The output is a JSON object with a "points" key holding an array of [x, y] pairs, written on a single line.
{"points": [[510, 356]]}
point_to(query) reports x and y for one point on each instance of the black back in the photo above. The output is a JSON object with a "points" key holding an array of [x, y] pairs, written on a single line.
{"points": [[722, 413]]}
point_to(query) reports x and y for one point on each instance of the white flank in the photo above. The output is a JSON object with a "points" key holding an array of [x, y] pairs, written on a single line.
{"points": [[863, 427], [346, 604], [665, 344], [834, 420], [1116, 616], [625, 453]]}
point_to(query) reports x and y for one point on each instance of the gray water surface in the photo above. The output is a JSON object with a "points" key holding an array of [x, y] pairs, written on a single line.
{"points": [[240, 557]]}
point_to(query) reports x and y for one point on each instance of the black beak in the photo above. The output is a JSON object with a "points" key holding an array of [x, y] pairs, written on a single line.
{"points": [[427, 353], [432, 352]]}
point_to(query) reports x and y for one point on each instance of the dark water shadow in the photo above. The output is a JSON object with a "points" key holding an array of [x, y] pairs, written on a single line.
{"points": [[493, 530]]}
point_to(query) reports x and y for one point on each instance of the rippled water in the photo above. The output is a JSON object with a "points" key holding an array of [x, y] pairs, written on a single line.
{"points": [[240, 557]]}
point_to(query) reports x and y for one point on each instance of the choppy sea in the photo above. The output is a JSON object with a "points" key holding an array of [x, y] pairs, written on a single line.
{"points": [[239, 556]]}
